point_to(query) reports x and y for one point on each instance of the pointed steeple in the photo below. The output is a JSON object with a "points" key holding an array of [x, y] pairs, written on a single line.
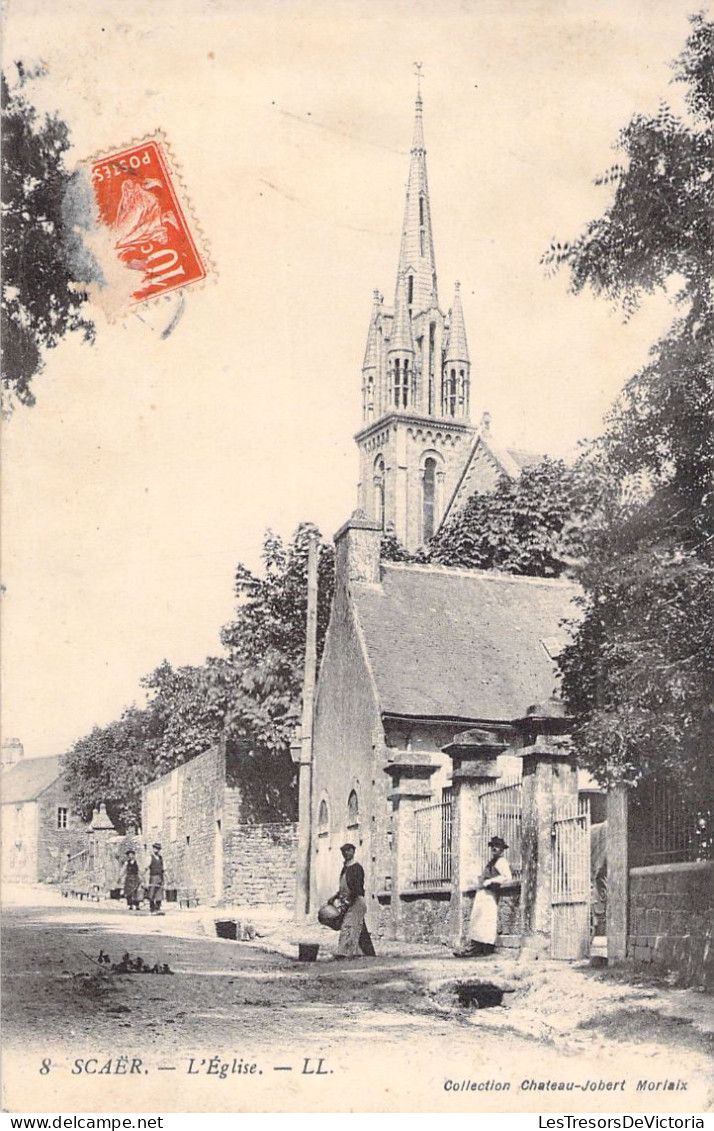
{"points": [[456, 381], [457, 348], [416, 255], [416, 376], [371, 391], [401, 340], [370, 353]]}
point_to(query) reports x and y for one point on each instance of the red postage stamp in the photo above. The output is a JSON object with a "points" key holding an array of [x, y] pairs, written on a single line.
{"points": [[138, 201]]}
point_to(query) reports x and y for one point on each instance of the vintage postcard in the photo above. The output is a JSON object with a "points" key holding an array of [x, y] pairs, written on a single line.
{"points": [[356, 583]]}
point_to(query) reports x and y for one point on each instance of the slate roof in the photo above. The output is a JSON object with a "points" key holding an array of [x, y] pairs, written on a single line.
{"points": [[462, 644], [524, 459], [26, 780]]}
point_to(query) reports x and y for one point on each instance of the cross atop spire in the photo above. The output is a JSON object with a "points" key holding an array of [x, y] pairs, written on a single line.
{"points": [[416, 257], [418, 139]]}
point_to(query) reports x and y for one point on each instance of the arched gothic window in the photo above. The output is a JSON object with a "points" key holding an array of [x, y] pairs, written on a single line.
{"points": [[401, 382], [369, 398], [352, 811], [428, 498], [379, 471], [450, 392], [323, 819]]}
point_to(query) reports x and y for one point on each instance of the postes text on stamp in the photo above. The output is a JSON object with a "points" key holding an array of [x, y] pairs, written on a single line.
{"points": [[138, 201]]}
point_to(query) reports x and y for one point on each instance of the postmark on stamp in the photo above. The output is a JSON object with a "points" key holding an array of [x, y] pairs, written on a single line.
{"points": [[148, 225]]}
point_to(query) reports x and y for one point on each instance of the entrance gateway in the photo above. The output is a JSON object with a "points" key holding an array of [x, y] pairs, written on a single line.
{"points": [[570, 888]]}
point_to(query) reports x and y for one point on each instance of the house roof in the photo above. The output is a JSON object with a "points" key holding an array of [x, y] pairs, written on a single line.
{"points": [[26, 780], [462, 644]]}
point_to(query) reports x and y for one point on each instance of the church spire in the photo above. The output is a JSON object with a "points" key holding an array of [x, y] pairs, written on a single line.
{"points": [[401, 340], [456, 380], [416, 255], [370, 382], [416, 434], [457, 348]]}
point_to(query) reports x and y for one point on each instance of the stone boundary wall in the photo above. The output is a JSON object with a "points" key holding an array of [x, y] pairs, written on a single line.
{"points": [[426, 917], [671, 919], [259, 864]]}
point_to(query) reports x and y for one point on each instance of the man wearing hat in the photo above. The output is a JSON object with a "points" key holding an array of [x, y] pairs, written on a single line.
{"points": [[483, 925], [354, 939], [155, 887]]}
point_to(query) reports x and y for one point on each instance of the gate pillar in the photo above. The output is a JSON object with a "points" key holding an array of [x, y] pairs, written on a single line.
{"points": [[104, 868], [549, 778], [617, 872], [474, 754], [411, 786]]}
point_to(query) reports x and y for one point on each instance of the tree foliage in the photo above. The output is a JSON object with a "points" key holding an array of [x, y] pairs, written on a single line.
{"points": [[250, 698], [531, 525], [111, 764], [40, 302], [638, 675]]}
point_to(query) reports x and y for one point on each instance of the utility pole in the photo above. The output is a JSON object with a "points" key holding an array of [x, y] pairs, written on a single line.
{"points": [[301, 749]]}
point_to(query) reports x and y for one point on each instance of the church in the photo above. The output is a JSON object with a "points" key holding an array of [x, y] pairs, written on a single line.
{"points": [[419, 657], [420, 456]]}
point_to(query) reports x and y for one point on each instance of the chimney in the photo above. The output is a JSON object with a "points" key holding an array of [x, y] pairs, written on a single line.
{"points": [[486, 424], [12, 753], [357, 550]]}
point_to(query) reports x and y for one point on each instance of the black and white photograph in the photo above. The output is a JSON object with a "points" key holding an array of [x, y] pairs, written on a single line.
{"points": [[357, 570]]}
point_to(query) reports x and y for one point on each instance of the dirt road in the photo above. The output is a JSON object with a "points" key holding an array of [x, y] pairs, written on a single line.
{"points": [[238, 1028]]}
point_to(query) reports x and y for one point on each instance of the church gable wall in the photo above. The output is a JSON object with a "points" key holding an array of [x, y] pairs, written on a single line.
{"points": [[346, 750], [481, 477]]}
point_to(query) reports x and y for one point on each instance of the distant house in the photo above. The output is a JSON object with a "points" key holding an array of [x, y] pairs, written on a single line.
{"points": [[414, 656], [39, 825], [211, 849]]}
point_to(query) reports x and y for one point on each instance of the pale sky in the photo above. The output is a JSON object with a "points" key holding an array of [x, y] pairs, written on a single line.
{"points": [[149, 468]]}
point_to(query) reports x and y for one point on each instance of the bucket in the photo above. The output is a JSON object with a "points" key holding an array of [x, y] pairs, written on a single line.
{"points": [[226, 929], [307, 952]]}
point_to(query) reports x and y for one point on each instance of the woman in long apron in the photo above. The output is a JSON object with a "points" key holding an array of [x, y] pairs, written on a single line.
{"points": [[483, 925], [130, 881]]}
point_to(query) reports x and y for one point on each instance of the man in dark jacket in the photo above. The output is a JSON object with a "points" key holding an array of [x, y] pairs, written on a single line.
{"points": [[355, 939], [155, 887]]}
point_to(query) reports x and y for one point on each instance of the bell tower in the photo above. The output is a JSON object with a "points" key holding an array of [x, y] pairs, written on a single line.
{"points": [[416, 434]]}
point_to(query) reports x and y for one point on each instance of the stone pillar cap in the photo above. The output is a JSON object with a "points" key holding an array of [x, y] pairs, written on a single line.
{"points": [[478, 740], [548, 716], [358, 521], [101, 821], [410, 767]]}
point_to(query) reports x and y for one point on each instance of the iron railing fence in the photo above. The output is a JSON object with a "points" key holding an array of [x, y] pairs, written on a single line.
{"points": [[669, 827], [570, 880], [432, 843], [501, 815]]}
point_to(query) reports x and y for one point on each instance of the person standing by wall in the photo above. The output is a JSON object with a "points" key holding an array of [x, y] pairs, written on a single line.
{"points": [[355, 939], [155, 888], [130, 881], [483, 925]]}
